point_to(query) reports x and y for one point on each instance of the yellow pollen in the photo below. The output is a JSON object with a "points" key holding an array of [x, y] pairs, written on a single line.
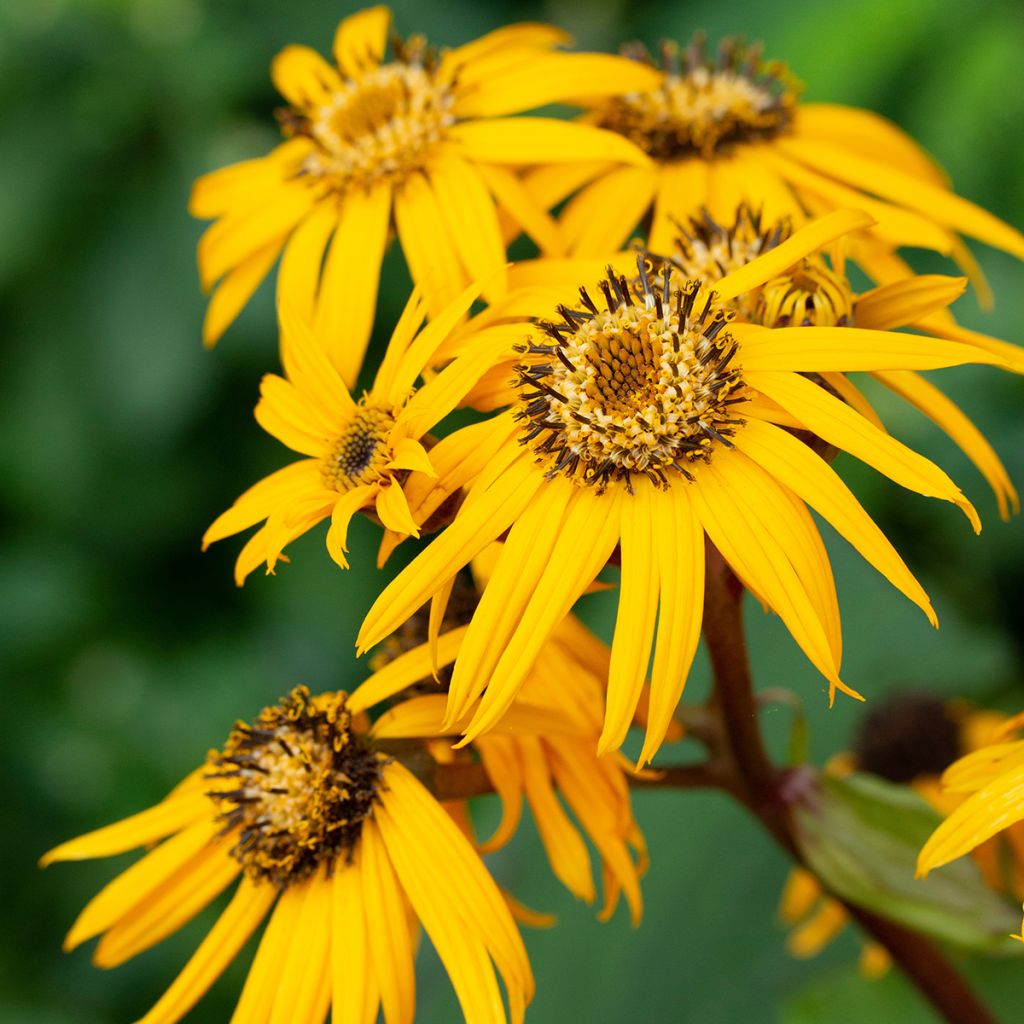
{"points": [[382, 126], [705, 105], [643, 386], [361, 453]]}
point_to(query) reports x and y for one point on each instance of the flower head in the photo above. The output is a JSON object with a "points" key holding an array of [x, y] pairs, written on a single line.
{"points": [[422, 141], [726, 127], [339, 844], [647, 423]]}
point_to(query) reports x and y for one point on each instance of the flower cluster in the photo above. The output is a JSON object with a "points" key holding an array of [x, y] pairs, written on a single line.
{"points": [[638, 420]]}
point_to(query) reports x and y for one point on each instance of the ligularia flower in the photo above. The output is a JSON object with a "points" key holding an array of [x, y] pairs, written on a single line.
{"points": [[422, 143]]}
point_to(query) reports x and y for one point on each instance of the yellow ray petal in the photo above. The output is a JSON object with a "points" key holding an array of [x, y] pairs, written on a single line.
{"points": [[473, 529], [944, 206], [764, 189], [282, 413], [420, 827], [852, 396], [387, 925], [148, 826], [235, 290], [394, 510], [816, 349], [977, 769], [219, 947], [472, 222], [238, 236], [347, 300], [680, 549], [145, 876], [165, 909], [410, 454], [905, 302], [360, 40], [298, 277], [945, 414], [306, 960], [640, 583], [793, 464], [524, 35], [529, 214], [409, 323], [304, 78], [983, 814], [728, 183], [682, 188], [802, 242], [355, 996], [599, 220], [532, 140], [243, 185], [500, 758], [799, 895], [591, 529], [524, 558], [347, 505], [312, 374], [427, 244], [833, 421], [1012, 355], [411, 667]]}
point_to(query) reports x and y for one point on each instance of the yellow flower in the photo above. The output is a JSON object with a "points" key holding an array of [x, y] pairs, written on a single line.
{"points": [[340, 845], [358, 451], [728, 128], [986, 788], [424, 138], [648, 422], [543, 747], [812, 293]]}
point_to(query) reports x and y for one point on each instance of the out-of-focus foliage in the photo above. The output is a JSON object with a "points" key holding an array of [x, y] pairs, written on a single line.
{"points": [[127, 653]]}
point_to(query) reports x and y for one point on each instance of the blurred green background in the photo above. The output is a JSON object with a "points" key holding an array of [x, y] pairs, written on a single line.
{"points": [[127, 654]]}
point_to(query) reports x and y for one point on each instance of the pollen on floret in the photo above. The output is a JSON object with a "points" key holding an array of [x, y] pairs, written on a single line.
{"points": [[361, 453]]}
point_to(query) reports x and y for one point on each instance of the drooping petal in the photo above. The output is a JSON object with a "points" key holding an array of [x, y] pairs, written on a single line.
{"points": [[347, 505], [393, 510], [236, 288], [500, 758]]}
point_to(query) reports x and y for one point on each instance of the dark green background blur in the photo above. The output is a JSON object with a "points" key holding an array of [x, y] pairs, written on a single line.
{"points": [[127, 654]]}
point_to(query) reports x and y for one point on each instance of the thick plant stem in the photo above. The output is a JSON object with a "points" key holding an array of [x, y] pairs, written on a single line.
{"points": [[759, 786]]}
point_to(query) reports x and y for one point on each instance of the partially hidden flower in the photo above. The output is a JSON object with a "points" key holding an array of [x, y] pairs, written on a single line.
{"points": [[422, 145], [357, 451], [647, 419], [728, 127], [339, 845]]}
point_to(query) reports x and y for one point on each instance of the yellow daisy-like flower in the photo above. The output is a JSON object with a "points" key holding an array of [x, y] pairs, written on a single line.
{"points": [[813, 293], [648, 422], [358, 451], [424, 141], [986, 789], [727, 128], [340, 845], [543, 747]]}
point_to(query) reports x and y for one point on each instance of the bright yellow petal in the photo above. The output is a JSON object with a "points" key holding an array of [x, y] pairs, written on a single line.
{"points": [[235, 290], [533, 140], [219, 947], [360, 40], [523, 35], [793, 464], [394, 510], [500, 758], [304, 78], [247, 183], [311, 372], [298, 277], [306, 961], [799, 895], [347, 300], [410, 454], [905, 302], [409, 323], [285, 414], [817, 932], [682, 187], [355, 996], [834, 421], [600, 220], [531, 216], [347, 505]]}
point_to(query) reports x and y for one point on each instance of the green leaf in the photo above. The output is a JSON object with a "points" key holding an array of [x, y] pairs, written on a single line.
{"points": [[861, 836]]}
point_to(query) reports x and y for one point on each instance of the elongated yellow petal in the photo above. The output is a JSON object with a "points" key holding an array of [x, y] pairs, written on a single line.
{"points": [[409, 323], [793, 464], [680, 547], [235, 290], [852, 396], [472, 221], [638, 609], [304, 78], [801, 243], [905, 302], [394, 510], [1012, 355], [347, 300], [306, 959], [988, 811], [833, 421], [387, 924], [598, 221], [591, 529], [219, 947], [945, 414], [500, 758], [347, 505], [282, 413], [681, 190], [311, 372], [410, 454], [977, 769], [528, 34], [532, 140], [298, 277], [244, 185], [166, 908], [355, 995], [360, 40], [528, 213], [473, 529], [944, 206], [172, 814]]}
